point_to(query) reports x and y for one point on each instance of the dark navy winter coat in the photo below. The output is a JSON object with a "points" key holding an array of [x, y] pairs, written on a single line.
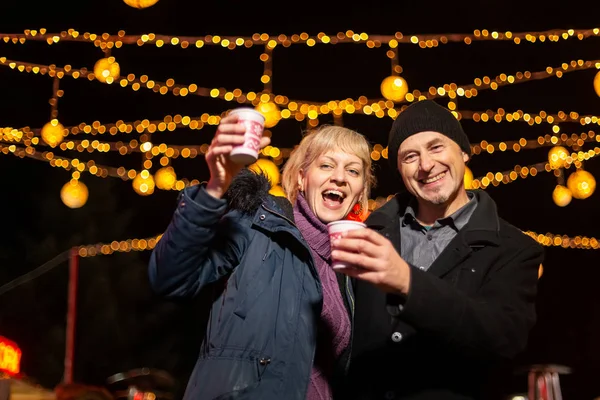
{"points": [[261, 334]]}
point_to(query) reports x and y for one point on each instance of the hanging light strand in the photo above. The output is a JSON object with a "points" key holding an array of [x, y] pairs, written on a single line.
{"points": [[301, 109], [564, 241], [482, 182], [349, 36], [128, 245], [30, 137], [542, 117], [122, 246]]}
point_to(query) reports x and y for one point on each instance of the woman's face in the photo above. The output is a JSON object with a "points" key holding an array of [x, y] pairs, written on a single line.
{"points": [[333, 184]]}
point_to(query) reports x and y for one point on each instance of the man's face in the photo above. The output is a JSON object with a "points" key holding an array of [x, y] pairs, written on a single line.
{"points": [[432, 167]]}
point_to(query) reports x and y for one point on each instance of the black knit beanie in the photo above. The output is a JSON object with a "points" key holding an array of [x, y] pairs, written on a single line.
{"points": [[425, 115]]}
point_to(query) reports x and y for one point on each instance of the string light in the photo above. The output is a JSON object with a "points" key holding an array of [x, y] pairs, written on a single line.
{"points": [[574, 140], [232, 42], [90, 167], [143, 244], [481, 182], [577, 242], [530, 118], [277, 107], [506, 177], [125, 246], [56, 94], [300, 110], [267, 59], [174, 151], [103, 171]]}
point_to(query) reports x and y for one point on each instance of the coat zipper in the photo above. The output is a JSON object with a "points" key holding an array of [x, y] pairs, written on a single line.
{"points": [[314, 348], [351, 303]]}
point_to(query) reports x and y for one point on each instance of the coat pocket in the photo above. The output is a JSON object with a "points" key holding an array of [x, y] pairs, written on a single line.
{"points": [[226, 377], [255, 284]]}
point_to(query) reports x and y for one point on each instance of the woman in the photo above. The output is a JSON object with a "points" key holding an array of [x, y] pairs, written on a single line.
{"points": [[280, 327]]}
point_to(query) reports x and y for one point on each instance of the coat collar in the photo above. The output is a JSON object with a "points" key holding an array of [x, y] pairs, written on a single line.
{"points": [[483, 229]]}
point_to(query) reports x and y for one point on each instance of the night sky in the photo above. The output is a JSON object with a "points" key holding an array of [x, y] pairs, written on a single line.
{"points": [[121, 324]]}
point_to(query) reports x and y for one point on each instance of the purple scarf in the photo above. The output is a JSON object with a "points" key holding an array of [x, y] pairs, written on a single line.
{"points": [[334, 326]]}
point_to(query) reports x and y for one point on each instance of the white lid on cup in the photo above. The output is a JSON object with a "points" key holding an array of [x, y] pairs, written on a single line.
{"points": [[347, 222], [344, 225]]}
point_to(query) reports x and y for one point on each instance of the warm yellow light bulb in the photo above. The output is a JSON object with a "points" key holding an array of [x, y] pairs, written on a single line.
{"points": [[53, 133], [277, 191], [394, 88], [140, 3], [271, 113], [74, 194], [268, 168], [582, 184], [557, 156], [561, 196], [165, 178], [107, 70], [143, 183], [468, 178], [597, 83]]}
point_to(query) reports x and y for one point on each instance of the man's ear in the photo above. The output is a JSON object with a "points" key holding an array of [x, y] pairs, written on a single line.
{"points": [[465, 157]]}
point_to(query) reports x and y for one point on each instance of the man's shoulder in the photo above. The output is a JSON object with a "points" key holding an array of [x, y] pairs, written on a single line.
{"points": [[509, 234], [388, 211], [515, 237]]}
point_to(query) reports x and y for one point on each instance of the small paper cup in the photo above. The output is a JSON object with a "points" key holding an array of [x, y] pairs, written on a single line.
{"points": [[254, 121], [336, 229]]}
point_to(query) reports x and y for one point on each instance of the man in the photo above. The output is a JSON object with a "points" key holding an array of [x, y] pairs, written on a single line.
{"points": [[445, 289]]}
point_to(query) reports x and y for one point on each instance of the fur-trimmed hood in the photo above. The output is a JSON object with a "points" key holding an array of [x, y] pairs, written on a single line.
{"points": [[249, 190]]}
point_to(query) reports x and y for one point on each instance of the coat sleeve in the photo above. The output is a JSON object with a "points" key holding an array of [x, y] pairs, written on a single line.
{"points": [[495, 323], [202, 244]]}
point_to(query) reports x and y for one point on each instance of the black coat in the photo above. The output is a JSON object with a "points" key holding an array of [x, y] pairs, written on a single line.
{"points": [[462, 322]]}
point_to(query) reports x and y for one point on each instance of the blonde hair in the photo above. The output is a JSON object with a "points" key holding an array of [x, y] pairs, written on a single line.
{"points": [[322, 140]]}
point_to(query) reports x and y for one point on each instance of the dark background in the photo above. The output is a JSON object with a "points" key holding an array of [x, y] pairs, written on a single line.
{"points": [[121, 325]]}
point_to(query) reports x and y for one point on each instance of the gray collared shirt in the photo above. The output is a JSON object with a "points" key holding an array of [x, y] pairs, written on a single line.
{"points": [[421, 245]]}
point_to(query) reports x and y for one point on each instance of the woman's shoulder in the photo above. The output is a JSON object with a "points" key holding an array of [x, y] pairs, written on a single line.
{"points": [[247, 192]]}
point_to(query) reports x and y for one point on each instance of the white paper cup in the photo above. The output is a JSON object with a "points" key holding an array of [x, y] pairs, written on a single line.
{"points": [[336, 229], [254, 121]]}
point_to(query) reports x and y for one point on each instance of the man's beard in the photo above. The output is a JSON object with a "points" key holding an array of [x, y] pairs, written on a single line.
{"points": [[438, 198]]}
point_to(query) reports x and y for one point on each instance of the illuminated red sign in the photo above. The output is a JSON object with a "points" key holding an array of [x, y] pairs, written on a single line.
{"points": [[10, 356]]}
